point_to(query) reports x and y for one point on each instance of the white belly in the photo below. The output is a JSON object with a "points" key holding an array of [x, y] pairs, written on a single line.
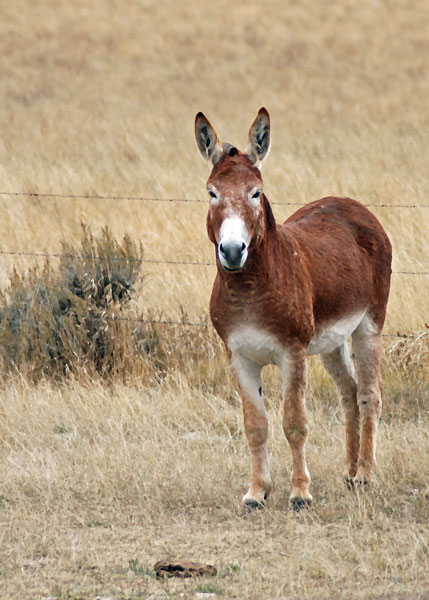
{"points": [[327, 339], [257, 345], [264, 348]]}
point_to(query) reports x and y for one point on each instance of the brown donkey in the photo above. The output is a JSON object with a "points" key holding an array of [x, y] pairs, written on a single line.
{"points": [[285, 291]]}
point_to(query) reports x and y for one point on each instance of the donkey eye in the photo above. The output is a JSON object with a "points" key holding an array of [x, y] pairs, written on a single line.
{"points": [[256, 195], [212, 194]]}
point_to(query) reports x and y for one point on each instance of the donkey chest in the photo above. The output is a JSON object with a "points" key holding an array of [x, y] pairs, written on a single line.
{"points": [[256, 344]]}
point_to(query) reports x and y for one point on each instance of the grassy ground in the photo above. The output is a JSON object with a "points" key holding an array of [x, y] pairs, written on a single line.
{"points": [[99, 484], [101, 479]]}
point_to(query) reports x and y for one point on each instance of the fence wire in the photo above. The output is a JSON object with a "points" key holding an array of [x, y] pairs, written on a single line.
{"points": [[169, 200], [143, 260], [171, 322], [205, 324]]}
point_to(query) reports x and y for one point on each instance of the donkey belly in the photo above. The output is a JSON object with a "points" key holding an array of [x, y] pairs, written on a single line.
{"points": [[264, 348], [329, 337]]}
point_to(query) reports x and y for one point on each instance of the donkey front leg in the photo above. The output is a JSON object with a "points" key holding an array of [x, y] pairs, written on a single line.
{"points": [[295, 427], [248, 376]]}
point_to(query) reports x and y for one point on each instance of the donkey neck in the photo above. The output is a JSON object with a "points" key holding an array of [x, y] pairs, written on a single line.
{"points": [[271, 288]]}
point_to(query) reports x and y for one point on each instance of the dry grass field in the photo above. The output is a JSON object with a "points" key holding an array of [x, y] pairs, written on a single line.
{"points": [[101, 477]]}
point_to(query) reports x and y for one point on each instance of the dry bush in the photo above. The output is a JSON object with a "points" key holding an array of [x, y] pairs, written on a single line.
{"points": [[80, 320], [406, 377], [411, 352], [57, 323]]}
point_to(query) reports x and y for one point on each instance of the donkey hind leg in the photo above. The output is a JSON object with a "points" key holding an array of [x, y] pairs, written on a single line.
{"points": [[340, 367], [295, 426], [248, 376], [367, 350]]}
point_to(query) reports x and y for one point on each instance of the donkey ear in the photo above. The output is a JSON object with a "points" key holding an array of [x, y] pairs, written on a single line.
{"points": [[259, 137], [207, 140]]}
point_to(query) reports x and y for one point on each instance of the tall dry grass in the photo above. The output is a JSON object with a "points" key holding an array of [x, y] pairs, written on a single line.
{"points": [[101, 99], [102, 476]]}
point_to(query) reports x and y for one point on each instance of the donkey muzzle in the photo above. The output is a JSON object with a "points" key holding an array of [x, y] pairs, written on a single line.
{"points": [[232, 254]]}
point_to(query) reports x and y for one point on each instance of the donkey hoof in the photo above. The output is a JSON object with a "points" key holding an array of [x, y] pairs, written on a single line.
{"points": [[250, 506], [361, 482], [350, 483], [299, 504]]}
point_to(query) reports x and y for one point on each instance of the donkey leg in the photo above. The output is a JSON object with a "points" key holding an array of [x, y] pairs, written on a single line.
{"points": [[295, 427], [248, 376], [340, 367], [367, 349]]}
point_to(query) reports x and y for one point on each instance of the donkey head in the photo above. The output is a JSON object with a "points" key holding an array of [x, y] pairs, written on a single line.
{"points": [[239, 213]]}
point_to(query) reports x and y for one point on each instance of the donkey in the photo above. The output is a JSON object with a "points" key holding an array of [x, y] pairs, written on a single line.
{"points": [[283, 292]]}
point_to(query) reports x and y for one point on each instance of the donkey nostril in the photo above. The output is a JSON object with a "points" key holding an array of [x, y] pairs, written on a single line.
{"points": [[221, 248], [243, 247]]}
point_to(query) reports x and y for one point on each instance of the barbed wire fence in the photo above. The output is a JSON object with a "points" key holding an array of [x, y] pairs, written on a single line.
{"points": [[204, 322], [190, 200]]}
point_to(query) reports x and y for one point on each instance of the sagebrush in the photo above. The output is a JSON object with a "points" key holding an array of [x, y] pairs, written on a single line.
{"points": [[69, 319]]}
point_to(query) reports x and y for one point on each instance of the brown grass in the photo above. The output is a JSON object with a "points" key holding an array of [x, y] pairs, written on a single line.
{"points": [[99, 479], [100, 483]]}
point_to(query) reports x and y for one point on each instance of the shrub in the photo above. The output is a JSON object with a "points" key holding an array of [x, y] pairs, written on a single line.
{"points": [[53, 323]]}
